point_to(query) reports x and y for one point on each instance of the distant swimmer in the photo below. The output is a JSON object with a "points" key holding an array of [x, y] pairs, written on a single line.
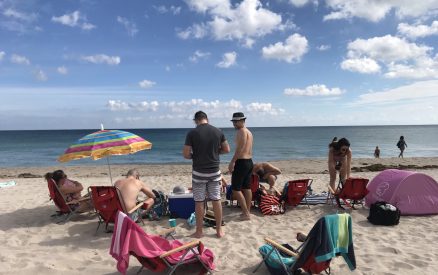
{"points": [[377, 152], [401, 144]]}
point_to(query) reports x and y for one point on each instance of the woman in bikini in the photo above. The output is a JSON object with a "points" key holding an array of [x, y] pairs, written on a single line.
{"points": [[71, 190], [339, 159]]}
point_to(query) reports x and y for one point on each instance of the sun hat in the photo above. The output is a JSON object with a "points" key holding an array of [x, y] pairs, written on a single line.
{"points": [[179, 189], [238, 116]]}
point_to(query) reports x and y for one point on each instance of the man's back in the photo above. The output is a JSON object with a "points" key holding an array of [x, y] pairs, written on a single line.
{"points": [[244, 141], [205, 141], [129, 189]]}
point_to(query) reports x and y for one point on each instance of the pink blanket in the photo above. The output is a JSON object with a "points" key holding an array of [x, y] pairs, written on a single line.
{"points": [[129, 237]]}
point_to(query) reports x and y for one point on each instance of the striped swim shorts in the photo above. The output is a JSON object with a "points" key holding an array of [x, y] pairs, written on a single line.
{"points": [[206, 186]]}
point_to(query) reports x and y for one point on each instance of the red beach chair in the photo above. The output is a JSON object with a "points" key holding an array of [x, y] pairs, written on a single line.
{"points": [[154, 252], [254, 185], [65, 209], [296, 191], [351, 192], [107, 202]]}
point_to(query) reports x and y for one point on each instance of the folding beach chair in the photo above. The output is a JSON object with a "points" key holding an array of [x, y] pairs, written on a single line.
{"points": [[296, 191], [65, 209], [155, 252], [107, 201], [351, 192], [331, 236]]}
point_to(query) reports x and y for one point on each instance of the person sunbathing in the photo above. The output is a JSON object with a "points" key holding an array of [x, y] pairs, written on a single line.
{"points": [[71, 190]]}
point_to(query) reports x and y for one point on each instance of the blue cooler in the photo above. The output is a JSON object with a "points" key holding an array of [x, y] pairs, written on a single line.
{"points": [[181, 205]]}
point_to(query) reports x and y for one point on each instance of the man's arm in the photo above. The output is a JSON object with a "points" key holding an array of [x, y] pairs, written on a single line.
{"points": [[187, 152], [225, 148], [349, 156], [240, 141], [147, 191]]}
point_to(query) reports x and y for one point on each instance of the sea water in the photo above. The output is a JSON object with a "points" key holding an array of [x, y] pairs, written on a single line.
{"points": [[43, 147]]}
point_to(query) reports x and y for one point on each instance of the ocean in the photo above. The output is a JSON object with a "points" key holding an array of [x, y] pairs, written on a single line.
{"points": [[42, 147]]}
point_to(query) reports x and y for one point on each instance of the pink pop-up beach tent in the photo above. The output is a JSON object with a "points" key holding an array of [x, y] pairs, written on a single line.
{"points": [[413, 193]]}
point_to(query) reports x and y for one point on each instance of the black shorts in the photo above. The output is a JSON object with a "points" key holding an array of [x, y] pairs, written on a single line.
{"points": [[241, 178]]}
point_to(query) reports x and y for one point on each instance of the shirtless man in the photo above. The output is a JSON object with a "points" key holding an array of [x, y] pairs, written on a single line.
{"points": [[266, 172], [130, 188], [241, 165]]}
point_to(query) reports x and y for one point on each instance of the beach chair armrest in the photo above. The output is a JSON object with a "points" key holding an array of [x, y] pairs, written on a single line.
{"points": [[182, 247], [280, 247], [84, 199], [140, 204], [166, 232]]}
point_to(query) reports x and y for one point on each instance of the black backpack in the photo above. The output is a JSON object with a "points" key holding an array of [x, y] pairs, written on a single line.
{"points": [[383, 213]]}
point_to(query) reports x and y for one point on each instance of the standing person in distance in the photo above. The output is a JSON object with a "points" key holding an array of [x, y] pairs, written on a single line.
{"points": [[203, 146], [241, 165], [401, 144]]}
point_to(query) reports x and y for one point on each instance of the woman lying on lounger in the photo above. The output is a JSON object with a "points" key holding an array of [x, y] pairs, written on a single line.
{"points": [[339, 159], [71, 190]]}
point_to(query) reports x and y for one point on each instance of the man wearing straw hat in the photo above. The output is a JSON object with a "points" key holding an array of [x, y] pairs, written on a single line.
{"points": [[203, 145], [241, 165]]}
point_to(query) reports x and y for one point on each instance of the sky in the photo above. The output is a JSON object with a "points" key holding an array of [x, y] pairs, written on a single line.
{"points": [[152, 64]]}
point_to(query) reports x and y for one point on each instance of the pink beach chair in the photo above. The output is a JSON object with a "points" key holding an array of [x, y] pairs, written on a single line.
{"points": [[155, 252]]}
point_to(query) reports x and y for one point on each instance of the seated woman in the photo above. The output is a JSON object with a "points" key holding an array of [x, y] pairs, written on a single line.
{"points": [[339, 159], [71, 190]]}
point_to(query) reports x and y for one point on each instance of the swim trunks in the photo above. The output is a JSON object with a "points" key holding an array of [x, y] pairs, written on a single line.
{"points": [[241, 178]]}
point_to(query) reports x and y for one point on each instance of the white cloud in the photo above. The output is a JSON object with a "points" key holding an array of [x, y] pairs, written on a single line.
{"points": [[19, 59], [185, 109], [130, 27], [40, 75], [376, 10], [245, 20], [422, 90], [301, 3], [361, 65], [416, 31], [395, 56], [314, 90], [102, 59], [62, 70], [2, 55], [290, 51], [19, 15], [175, 10], [74, 19], [323, 48], [228, 60], [146, 84], [195, 31], [197, 55]]}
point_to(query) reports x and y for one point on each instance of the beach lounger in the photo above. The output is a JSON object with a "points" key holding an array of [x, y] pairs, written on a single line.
{"points": [[295, 191], [65, 209], [107, 201], [351, 192], [331, 236], [154, 252]]}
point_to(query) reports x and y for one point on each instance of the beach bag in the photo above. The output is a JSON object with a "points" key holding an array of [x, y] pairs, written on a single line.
{"points": [[161, 205], [271, 205], [383, 213]]}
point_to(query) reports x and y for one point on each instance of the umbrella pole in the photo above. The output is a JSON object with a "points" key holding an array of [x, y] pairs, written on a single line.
{"points": [[109, 169]]}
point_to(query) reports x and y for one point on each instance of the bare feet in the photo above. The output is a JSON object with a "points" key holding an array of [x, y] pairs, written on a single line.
{"points": [[220, 233], [244, 217], [197, 235]]}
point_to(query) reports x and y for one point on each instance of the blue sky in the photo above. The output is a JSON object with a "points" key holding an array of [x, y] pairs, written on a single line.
{"points": [[152, 64]]}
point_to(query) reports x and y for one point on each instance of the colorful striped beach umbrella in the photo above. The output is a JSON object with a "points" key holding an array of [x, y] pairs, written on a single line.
{"points": [[105, 143]]}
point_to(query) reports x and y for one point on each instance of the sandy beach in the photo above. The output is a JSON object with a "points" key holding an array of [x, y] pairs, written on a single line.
{"points": [[32, 243]]}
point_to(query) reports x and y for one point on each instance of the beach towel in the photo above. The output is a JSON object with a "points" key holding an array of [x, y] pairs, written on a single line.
{"points": [[7, 184], [128, 238]]}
